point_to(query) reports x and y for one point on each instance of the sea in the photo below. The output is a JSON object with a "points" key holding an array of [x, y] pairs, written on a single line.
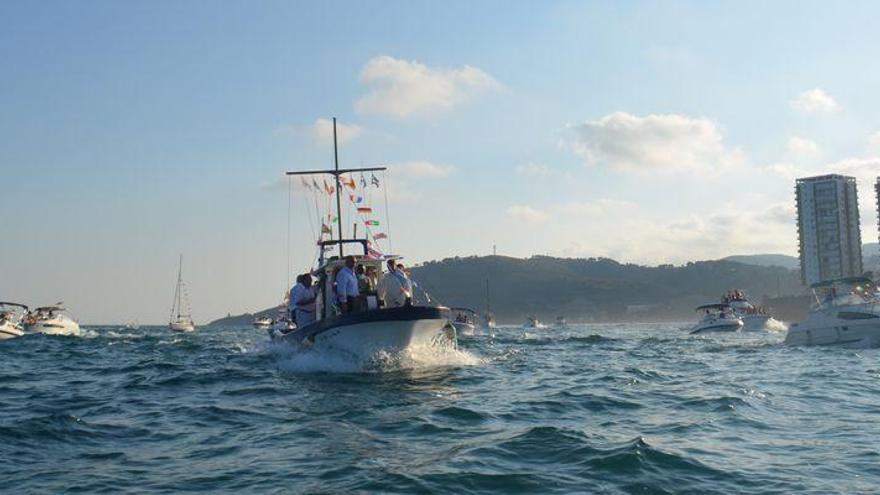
{"points": [[612, 408]]}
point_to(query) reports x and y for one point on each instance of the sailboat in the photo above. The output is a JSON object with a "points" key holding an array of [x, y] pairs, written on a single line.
{"points": [[181, 319], [369, 326]]}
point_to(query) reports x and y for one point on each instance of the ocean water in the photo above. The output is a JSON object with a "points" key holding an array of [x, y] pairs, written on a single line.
{"points": [[589, 409]]}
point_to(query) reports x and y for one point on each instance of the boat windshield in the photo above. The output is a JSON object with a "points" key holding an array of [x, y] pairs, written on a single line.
{"points": [[845, 295]]}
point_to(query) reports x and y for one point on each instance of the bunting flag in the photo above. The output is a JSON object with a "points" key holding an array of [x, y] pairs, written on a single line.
{"points": [[363, 181], [364, 209], [315, 184], [373, 223], [374, 180], [328, 188], [305, 183], [348, 181], [380, 236], [325, 229], [359, 199]]}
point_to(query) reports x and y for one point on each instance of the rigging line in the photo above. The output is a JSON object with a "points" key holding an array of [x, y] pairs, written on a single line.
{"points": [[387, 215], [289, 194]]}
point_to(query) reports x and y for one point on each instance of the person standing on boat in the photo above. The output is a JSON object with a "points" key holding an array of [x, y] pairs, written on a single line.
{"points": [[302, 300], [395, 289], [347, 286]]}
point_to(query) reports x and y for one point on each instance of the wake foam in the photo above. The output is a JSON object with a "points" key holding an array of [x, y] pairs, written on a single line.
{"points": [[295, 359]]}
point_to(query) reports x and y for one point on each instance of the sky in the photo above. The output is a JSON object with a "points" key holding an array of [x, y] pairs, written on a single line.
{"points": [[648, 132]]}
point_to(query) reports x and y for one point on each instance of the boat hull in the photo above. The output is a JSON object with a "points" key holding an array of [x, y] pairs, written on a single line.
{"points": [[834, 332], [717, 326], [368, 334], [464, 328], [10, 331], [181, 326], [55, 327]]}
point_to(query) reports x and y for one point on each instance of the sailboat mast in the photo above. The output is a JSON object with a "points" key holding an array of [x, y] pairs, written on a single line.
{"points": [[179, 283], [488, 306], [338, 201]]}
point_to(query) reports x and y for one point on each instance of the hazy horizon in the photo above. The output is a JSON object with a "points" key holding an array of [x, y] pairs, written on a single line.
{"points": [[643, 132]]}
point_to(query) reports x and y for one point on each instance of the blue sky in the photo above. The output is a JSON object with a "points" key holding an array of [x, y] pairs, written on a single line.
{"points": [[645, 131]]}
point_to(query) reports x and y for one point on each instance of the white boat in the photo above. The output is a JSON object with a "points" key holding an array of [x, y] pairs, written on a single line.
{"points": [[848, 312], [11, 316], [369, 329], [181, 314], [534, 323], [717, 318], [465, 321], [263, 323], [51, 320], [754, 318], [561, 322]]}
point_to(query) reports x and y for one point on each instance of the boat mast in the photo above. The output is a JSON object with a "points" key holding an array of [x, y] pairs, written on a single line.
{"points": [[338, 203], [337, 172], [179, 283]]}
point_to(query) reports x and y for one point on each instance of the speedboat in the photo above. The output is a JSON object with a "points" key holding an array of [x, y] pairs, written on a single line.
{"points": [[534, 323], [183, 321], [464, 321], [51, 320], [717, 318], [754, 318], [372, 329], [11, 315], [848, 311], [263, 323]]}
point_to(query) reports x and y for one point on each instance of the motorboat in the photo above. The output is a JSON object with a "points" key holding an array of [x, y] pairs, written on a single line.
{"points": [[51, 320], [533, 323], [754, 318], [846, 311], [372, 329], [366, 327], [181, 314], [465, 321], [263, 323], [717, 318], [11, 316]]}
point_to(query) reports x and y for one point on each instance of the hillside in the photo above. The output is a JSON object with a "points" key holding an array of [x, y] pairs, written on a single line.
{"points": [[783, 260], [596, 289]]}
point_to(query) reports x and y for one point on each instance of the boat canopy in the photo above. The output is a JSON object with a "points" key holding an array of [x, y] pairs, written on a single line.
{"points": [[464, 310], [842, 281], [717, 306], [14, 304]]}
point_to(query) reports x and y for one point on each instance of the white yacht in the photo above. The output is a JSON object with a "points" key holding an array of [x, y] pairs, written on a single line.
{"points": [[263, 323], [11, 316], [717, 318], [464, 321], [181, 317], [370, 329], [754, 318], [846, 311], [534, 324], [51, 320]]}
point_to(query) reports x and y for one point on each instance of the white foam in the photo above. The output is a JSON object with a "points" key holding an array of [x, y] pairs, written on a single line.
{"points": [[294, 359]]}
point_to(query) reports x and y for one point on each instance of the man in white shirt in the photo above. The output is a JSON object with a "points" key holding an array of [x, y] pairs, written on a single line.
{"points": [[302, 300], [347, 286], [395, 289]]}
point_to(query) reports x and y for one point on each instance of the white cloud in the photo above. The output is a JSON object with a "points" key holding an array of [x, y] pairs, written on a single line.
{"points": [[401, 88], [322, 131], [815, 101], [803, 148], [421, 169], [533, 170], [526, 214], [788, 171], [654, 143]]}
